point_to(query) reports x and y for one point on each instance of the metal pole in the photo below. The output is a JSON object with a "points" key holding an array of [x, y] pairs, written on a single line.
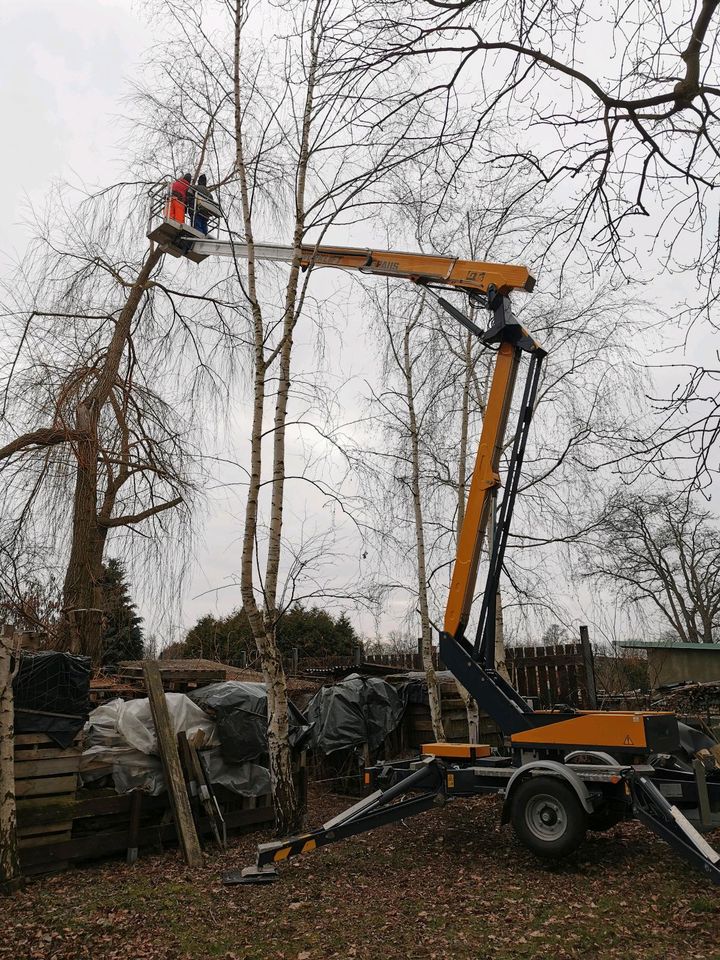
{"points": [[589, 665]]}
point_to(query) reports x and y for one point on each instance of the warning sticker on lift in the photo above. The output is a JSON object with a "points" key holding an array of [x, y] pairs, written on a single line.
{"points": [[628, 741]]}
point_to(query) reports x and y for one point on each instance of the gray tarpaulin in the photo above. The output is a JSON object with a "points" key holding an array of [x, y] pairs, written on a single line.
{"points": [[412, 685], [240, 712], [356, 711], [121, 735]]}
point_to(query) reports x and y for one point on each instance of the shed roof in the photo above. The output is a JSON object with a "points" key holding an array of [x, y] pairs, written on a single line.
{"points": [[664, 645]]}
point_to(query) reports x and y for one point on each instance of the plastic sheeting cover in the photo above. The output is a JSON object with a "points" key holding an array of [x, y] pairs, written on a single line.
{"points": [[56, 685], [356, 711], [53, 683], [121, 734], [240, 711]]}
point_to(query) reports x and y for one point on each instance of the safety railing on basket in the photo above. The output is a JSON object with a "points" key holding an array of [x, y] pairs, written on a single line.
{"points": [[189, 206]]}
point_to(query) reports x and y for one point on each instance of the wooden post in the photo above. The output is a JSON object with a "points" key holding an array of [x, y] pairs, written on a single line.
{"points": [[9, 861], [133, 836], [174, 780], [589, 665]]}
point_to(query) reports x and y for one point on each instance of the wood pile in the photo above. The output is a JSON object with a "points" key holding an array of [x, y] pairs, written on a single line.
{"points": [[691, 698], [46, 781], [97, 823], [61, 822], [416, 727], [184, 676]]}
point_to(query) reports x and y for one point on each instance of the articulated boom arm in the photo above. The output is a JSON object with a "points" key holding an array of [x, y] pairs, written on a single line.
{"points": [[473, 276], [485, 283]]}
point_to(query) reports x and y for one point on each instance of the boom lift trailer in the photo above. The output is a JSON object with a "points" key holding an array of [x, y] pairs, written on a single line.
{"points": [[562, 771]]}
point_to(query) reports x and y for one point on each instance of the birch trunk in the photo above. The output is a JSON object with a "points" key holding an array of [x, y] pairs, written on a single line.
{"points": [[426, 629], [499, 649], [500, 661], [288, 815], [9, 859], [471, 707]]}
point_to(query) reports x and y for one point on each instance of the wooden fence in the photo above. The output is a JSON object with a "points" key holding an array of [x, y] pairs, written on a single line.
{"points": [[549, 674]]}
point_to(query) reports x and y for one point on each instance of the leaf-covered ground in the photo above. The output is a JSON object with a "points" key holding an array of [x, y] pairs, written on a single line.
{"points": [[449, 884]]}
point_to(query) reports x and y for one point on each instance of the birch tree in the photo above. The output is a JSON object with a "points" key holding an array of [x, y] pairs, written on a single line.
{"points": [[9, 858], [296, 147]]}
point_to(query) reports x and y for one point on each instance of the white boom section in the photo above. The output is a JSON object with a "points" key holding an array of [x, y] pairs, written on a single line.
{"points": [[229, 248], [469, 275]]}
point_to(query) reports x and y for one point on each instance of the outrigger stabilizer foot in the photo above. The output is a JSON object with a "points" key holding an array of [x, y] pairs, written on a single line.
{"points": [[250, 875]]}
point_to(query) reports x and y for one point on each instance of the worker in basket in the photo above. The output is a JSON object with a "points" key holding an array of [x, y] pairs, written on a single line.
{"points": [[200, 191], [177, 201]]}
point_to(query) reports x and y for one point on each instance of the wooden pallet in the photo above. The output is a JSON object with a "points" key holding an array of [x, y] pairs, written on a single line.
{"points": [[46, 781]]}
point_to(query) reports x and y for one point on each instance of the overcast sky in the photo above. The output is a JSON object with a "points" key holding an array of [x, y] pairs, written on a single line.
{"points": [[64, 72]]}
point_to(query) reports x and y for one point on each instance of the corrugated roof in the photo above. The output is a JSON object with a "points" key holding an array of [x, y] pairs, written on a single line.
{"points": [[662, 645]]}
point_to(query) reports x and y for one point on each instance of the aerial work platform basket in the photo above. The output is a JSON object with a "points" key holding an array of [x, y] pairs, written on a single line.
{"points": [[175, 236]]}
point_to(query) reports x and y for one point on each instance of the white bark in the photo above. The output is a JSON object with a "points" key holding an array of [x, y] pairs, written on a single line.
{"points": [[287, 813], [9, 861], [428, 667], [471, 707]]}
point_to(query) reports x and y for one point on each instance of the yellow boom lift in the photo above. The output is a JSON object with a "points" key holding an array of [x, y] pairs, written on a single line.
{"points": [[562, 770]]}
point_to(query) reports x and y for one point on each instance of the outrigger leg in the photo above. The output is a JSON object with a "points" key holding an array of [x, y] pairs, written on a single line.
{"points": [[651, 808], [377, 810]]}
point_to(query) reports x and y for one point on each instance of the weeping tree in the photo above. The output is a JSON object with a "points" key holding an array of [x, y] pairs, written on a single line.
{"points": [[101, 391]]}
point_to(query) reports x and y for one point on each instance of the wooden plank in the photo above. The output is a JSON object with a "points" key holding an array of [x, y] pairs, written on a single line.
{"points": [[45, 839], [29, 738], [38, 810], [134, 828], [46, 768], [44, 786], [45, 753], [40, 830], [174, 779]]}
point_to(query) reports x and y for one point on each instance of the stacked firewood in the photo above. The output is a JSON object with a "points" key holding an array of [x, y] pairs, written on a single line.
{"points": [[691, 698]]}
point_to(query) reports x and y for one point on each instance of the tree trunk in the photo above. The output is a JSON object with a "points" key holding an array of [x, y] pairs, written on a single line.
{"points": [[428, 667], [80, 590], [500, 663], [499, 650], [288, 815], [473, 713], [84, 569], [9, 859], [471, 707]]}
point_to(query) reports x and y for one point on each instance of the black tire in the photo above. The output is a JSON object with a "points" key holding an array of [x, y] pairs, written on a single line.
{"points": [[547, 817]]}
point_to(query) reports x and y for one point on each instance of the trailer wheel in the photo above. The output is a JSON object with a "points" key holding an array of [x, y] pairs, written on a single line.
{"points": [[548, 817]]}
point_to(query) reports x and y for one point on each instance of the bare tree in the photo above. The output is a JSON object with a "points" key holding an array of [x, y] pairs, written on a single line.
{"points": [[612, 115], [410, 405], [663, 553], [9, 859], [295, 149]]}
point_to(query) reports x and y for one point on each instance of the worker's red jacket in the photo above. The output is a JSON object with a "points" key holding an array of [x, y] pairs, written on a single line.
{"points": [[179, 189]]}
